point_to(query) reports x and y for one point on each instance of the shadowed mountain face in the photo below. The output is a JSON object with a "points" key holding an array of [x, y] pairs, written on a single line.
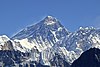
{"points": [[12, 58], [90, 58], [59, 61]]}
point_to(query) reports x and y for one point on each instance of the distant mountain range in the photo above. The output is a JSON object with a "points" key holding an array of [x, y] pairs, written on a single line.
{"points": [[48, 44]]}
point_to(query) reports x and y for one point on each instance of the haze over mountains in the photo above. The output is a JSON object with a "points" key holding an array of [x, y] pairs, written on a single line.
{"points": [[47, 43]]}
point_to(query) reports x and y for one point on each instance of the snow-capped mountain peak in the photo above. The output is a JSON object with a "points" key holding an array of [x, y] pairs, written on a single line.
{"points": [[4, 38], [48, 25], [49, 20], [86, 28], [42, 35]]}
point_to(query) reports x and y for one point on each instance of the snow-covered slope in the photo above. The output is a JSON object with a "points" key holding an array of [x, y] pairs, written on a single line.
{"points": [[6, 43], [81, 40]]}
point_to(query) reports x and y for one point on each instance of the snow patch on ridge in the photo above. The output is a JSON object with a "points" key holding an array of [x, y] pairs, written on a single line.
{"points": [[4, 38]]}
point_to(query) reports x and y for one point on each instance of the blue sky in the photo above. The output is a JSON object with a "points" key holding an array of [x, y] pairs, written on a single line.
{"points": [[17, 14]]}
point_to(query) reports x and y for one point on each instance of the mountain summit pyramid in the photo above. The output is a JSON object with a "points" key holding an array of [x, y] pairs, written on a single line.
{"points": [[48, 25]]}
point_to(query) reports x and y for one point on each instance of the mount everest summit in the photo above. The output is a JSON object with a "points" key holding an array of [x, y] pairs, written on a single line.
{"points": [[46, 44]]}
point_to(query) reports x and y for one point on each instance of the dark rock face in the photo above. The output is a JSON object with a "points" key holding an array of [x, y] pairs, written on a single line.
{"points": [[11, 58], [7, 46], [90, 58], [57, 61]]}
